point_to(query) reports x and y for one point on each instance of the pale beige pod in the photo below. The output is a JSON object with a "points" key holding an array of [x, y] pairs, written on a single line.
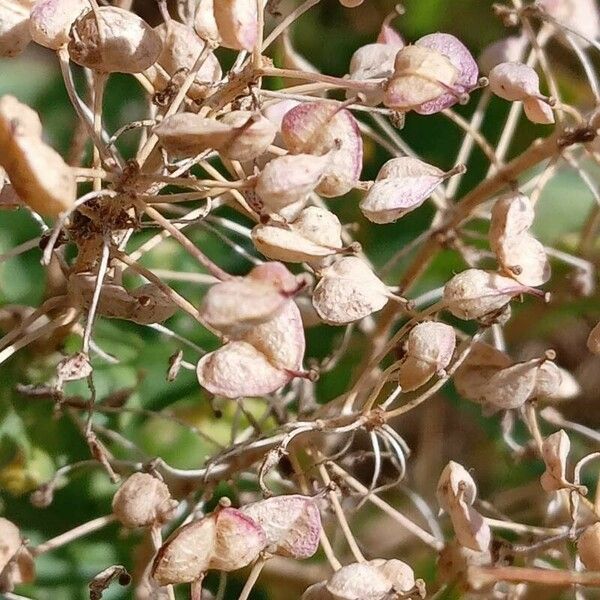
{"points": [[51, 21], [113, 40], [38, 173], [14, 28], [205, 24], [16, 562], [588, 547], [237, 21]]}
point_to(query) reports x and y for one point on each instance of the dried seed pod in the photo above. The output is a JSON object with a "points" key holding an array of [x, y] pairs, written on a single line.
{"points": [[429, 350], [314, 234], [398, 573], [455, 481], [292, 524], [402, 185], [186, 555], [593, 341], [514, 81], [238, 304], [51, 21], [286, 180], [142, 501], [205, 24], [512, 215], [555, 451], [348, 291], [38, 173], [16, 562], [237, 21], [252, 134], [358, 581], [325, 127], [420, 76], [389, 36], [113, 40], [181, 47], [239, 540], [581, 16], [373, 61], [538, 111], [510, 49], [474, 293], [14, 28], [548, 381], [588, 547], [151, 305]]}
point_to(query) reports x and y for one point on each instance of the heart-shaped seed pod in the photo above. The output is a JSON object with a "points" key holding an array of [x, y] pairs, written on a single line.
{"points": [[472, 376], [292, 524], [588, 547], [510, 49], [429, 350], [325, 127], [474, 293], [205, 24], [151, 305], [463, 61], [239, 540], [14, 28], [315, 234], [236, 305], [252, 134], [16, 562], [142, 501], [181, 47], [348, 291], [237, 21], [113, 40], [593, 341], [455, 481], [38, 173], [373, 61], [286, 180], [51, 21], [186, 555], [514, 81], [420, 75], [555, 451], [402, 185], [581, 16]]}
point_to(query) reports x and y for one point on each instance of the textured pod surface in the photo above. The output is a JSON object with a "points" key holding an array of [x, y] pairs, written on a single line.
{"points": [[358, 581], [588, 547], [292, 524], [253, 134], [51, 21], [555, 450], [14, 28], [514, 81], [237, 21], [118, 42]]}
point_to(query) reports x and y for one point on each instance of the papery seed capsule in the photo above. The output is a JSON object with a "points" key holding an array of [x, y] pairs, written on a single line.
{"points": [[373, 61], [455, 481], [588, 547], [348, 291], [510, 49], [252, 135], [514, 81], [322, 127], [292, 524], [548, 381], [142, 501], [51, 21], [555, 450], [181, 48], [538, 111], [38, 173], [151, 305], [14, 28], [358, 581], [237, 21], [205, 24], [593, 341], [16, 562], [113, 40]]}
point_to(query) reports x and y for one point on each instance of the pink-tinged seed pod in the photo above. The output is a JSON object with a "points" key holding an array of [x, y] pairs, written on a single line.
{"points": [[286, 180], [181, 47], [292, 524], [205, 24], [429, 350], [348, 291], [555, 451], [51, 21], [14, 28], [16, 562], [514, 81], [252, 135], [581, 16], [588, 547], [593, 341], [239, 540], [420, 76], [538, 111], [322, 127], [373, 61], [186, 555], [389, 36], [474, 293], [124, 44], [237, 21], [507, 50], [275, 111], [472, 376], [142, 501], [313, 235], [402, 185], [37, 172], [236, 305], [463, 61]]}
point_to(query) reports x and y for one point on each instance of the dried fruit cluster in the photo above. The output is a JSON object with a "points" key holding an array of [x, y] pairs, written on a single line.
{"points": [[216, 143]]}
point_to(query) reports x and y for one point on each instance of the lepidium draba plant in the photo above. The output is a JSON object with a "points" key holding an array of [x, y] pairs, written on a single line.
{"points": [[244, 138]]}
